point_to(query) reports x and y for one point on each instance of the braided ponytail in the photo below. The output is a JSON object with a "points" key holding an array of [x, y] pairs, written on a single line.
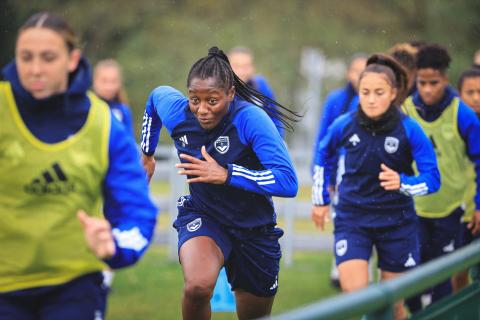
{"points": [[216, 65]]}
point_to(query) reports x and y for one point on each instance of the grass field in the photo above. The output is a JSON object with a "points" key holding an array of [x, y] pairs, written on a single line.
{"points": [[152, 289]]}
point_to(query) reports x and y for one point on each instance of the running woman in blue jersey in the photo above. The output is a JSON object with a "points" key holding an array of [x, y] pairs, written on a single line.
{"points": [[235, 161], [108, 85], [63, 158], [375, 205], [342, 100], [337, 103]]}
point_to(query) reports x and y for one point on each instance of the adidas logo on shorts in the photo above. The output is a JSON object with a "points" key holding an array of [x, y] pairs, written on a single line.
{"points": [[449, 247], [275, 284], [51, 181], [410, 261]]}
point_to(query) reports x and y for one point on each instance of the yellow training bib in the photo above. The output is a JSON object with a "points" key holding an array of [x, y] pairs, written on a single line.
{"points": [[42, 186], [452, 160]]}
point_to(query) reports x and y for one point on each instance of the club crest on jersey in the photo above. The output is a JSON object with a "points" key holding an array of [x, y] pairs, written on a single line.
{"points": [[194, 225], [341, 247], [222, 144], [391, 144]]}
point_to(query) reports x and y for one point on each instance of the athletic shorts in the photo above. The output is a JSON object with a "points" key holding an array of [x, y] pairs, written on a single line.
{"points": [[83, 298], [252, 256], [438, 236], [397, 246], [465, 236]]}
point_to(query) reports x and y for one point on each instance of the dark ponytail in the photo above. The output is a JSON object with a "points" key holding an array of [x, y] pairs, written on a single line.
{"points": [[216, 65], [395, 73]]}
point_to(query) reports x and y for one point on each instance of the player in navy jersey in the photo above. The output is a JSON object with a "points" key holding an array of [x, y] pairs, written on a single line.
{"points": [[235, 161], [337, 103], [375, 205]]}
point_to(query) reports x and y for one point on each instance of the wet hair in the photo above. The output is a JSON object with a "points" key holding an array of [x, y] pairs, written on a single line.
{"points": [[53, 22], [433, 56], [394, 72], [406, 54], [216, 65], [121, 95], [467, 74]]}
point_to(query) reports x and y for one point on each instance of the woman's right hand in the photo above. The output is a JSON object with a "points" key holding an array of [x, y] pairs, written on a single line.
{"points": [[320, 215], [98, 235], [148, 163]]}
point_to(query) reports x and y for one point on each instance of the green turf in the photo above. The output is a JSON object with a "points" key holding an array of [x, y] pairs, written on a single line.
{"points": [[152, 289]]}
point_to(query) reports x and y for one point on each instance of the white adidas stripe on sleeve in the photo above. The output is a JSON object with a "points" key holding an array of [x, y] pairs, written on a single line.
{"points": [[317, 188], [261, 177]]}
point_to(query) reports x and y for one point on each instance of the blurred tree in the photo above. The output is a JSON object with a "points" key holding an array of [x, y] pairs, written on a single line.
{"points": [[158, 41]]}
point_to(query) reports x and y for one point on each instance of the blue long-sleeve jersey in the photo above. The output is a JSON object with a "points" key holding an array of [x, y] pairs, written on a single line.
{"points": [[360, 192], [468, 126], [127, 205], [245, 141], [337, 103]]}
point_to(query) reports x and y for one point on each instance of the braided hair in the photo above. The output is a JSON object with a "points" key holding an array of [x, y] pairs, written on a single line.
{"points": [[216, 65]]}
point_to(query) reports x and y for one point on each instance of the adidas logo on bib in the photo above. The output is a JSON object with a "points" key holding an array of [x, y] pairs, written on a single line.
{"points": [[51, 181]]}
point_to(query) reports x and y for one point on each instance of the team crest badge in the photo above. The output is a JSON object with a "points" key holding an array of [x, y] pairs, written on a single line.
{"points": [[391, 144], [341, 247], [222, 144], [181, 201], [194, 225]]}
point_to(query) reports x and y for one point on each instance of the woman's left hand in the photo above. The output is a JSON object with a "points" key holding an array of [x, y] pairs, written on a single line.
{"points": [[390, 179], [206, 171]]}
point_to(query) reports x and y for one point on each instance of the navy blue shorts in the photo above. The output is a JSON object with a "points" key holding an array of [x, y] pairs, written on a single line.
{"points": [[252, 256], [83, 298], [397, 246], [439, 236], [465, 235]]}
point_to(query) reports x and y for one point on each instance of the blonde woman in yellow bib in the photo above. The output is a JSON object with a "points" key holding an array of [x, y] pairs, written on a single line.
{"points": [[63, 158]]}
